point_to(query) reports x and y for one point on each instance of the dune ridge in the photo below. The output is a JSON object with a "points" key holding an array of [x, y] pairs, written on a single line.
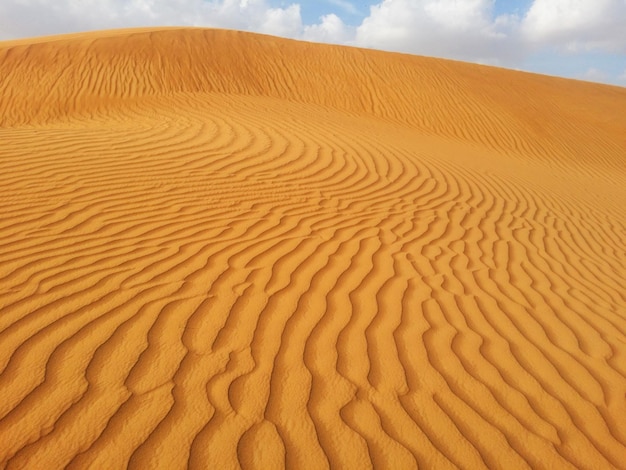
{"points": [[222, 249]]}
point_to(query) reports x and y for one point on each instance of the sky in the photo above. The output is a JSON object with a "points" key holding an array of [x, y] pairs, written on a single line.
{"points": [[582, 39]]}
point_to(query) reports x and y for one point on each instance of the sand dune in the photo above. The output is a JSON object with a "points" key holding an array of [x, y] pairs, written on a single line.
{"points": [[224, 250]]}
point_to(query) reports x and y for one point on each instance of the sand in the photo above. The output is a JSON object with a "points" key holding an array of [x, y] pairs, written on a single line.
{"points": [[224, 250]]}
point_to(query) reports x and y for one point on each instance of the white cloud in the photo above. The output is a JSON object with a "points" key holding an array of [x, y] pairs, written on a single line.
{"points": [[469, 15], [577, 25], [463, 30], [20, 18], [281, 21], [331, 29]]}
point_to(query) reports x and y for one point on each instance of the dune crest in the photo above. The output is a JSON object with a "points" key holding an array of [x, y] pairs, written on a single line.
{"points": [[223, 250]]}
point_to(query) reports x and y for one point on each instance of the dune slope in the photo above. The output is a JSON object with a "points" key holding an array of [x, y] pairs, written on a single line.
{"points": [[224, 250]]}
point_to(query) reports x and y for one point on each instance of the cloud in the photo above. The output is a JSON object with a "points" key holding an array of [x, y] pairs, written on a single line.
{"points": [[281, 21], [331, 29], [21, 18], [577, 25], [449, 28]]}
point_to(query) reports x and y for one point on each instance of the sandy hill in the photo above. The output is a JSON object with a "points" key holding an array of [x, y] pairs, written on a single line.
{"points": [[224, 250]]}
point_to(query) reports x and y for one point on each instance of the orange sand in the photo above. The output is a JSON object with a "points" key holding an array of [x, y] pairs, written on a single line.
{"points": [[222, 249]]}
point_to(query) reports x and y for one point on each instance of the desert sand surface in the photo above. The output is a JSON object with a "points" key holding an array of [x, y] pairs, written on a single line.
{"points": [[228, 250]]}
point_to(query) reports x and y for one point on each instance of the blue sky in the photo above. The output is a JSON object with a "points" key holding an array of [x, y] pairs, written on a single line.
{"points": [[356, 11], [351, 12], [583, 39]]}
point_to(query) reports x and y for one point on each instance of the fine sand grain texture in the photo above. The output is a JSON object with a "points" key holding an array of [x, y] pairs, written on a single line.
{"points": [[224, 250]]}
